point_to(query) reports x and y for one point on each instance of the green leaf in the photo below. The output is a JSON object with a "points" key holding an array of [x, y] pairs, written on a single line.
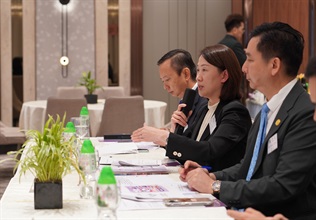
{"points": [[48, 156], [88, 82]]}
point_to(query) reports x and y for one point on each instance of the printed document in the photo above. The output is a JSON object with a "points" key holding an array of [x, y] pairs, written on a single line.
{"points": [[148, 191]]}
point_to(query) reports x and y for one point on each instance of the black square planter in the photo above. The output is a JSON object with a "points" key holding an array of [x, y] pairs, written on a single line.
{"points": [[92, 98], [48, 195]]}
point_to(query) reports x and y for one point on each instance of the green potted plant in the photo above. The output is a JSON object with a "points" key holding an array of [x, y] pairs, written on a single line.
{"points": [[91, 86], [49, 157]]}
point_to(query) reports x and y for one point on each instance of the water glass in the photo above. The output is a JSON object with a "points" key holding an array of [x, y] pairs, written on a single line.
{"points": [[82, 126]]}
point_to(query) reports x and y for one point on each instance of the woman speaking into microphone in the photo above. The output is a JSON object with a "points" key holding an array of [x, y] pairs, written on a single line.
{"points": [[218, 136]]}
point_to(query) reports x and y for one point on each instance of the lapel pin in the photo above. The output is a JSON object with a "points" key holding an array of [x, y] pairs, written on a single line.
{"points": [[277, 122]]}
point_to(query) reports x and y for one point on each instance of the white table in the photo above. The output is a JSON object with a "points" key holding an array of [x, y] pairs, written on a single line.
{"points": [[33, 113], [18, 202]]}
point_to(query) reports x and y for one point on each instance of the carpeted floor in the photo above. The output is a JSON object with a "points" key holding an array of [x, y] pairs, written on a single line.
{"points": [[6, 168]]}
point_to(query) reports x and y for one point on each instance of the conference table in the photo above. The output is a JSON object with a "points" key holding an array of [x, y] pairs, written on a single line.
{"points": [[18, 199], [33, 114]]}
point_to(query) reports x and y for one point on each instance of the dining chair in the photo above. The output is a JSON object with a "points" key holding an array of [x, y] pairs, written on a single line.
{"points": [[11, 135], [110, 91], [71, 92], [122, 115], [60, 106]]}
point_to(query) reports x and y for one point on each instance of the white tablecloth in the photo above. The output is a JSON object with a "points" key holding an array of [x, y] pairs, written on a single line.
{"points": [[17, 201], [33, 114]]}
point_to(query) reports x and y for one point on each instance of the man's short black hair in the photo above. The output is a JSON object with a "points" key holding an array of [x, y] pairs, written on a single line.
{"points": [[233, 20], [280, 40], [180, 59]]}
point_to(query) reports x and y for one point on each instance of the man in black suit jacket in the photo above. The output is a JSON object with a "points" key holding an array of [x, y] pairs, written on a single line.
{"points": [[235, 28], [284, 177], [250, 213], [178, 72]]}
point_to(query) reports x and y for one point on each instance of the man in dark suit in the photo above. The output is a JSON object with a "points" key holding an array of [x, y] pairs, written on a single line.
{"points": [[250, 213], [235, 28], [178, 72], [284, 176]]}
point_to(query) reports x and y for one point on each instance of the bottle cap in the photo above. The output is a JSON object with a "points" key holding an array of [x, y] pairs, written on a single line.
{"points": [[106, 176], [84, 111], [70, 127], [87, 147]]}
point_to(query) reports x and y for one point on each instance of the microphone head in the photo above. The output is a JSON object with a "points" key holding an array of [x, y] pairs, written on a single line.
{"points": [[188, 99]]}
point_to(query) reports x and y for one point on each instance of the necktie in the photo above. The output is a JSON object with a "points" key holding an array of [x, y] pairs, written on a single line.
{"points": [[260, 137]]}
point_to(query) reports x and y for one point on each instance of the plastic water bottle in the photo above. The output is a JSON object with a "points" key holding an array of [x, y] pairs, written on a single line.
{"points": [[85, 119], [107, 194], [87, 163], [69, 132]]}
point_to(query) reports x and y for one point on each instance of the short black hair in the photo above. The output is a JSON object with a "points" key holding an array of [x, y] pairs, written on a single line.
{"points": [[280, 40], [311, 68], [180, 59], [233, 20]]}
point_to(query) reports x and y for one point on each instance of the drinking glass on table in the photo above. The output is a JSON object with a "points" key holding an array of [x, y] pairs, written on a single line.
{"points": [[82, 127]]}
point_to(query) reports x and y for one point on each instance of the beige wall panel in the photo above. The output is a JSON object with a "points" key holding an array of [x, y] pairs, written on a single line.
{"points": [[5, 62], [172, 10], [200, 29], [158, 32], [192, 28], [175, 20], [182, 24], [101, 42], [217, 11], [125, 45], [29, 56]]}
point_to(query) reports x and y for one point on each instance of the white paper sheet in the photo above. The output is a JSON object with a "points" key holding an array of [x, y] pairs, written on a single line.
{"points": [[130, 162], [110, 148]]}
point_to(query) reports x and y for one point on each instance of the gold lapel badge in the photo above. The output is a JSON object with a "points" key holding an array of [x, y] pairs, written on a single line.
{"points": [[277, 122]]}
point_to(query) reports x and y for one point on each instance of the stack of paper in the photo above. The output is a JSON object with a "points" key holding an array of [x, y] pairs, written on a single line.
{"points": [[139, 170], [134, 166], [149, 191], [109, 148], [129, 162]]}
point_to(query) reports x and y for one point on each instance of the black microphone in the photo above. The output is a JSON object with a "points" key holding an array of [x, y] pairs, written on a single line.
{"points": [[188, 99]]}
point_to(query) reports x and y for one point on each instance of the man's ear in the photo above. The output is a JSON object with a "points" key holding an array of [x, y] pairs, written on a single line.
{"points": [[276, 65], [187, 73], [234, 30]]}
